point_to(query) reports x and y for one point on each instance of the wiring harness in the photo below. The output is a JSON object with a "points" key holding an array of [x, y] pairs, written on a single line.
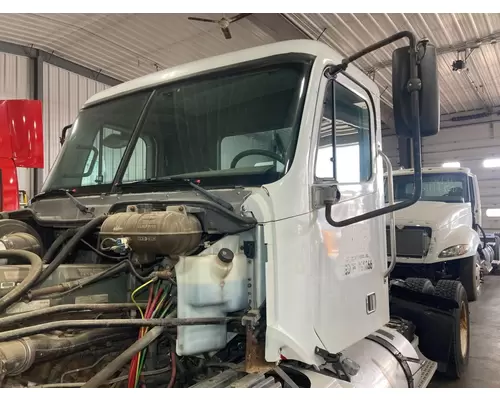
{"points": [[160, 302]]}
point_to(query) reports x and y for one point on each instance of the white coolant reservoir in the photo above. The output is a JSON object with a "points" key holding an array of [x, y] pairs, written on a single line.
{"points": [[378, 366], [211, 284]]}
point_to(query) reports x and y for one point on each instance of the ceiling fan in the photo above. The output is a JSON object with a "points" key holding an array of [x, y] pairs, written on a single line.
{"points": [[223, 22]]}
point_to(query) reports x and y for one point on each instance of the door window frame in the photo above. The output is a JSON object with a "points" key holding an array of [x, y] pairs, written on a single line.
{"points": [[350, 84]]}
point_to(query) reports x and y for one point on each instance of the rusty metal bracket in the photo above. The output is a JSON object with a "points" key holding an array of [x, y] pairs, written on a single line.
{"points": [[255, 360], [251, 318]]}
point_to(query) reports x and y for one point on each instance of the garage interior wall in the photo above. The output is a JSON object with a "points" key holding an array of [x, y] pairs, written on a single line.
{"points": [[15, 72], [64, 93]]}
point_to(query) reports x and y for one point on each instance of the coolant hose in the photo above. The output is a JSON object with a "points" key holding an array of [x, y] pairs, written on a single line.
{"points": [[111, 323], [61, 256], [65, 288], [64, 308], [34, 273], [114, 366], [57, 243]]}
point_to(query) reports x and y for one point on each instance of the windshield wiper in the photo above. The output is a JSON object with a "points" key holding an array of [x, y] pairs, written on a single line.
{"points": [[205, 192], [82, 207]]}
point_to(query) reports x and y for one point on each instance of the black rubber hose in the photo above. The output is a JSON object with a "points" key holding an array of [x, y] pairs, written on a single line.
{"points": [[63, 289], [34, 273], [141, 278], [61, 256], [110, 323], [114, 366], [25, 316], [484, 236], [47, 258]]}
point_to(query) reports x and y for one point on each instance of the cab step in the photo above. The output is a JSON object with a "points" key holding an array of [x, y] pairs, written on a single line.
{"points": [[234, 379], [427, 371]]}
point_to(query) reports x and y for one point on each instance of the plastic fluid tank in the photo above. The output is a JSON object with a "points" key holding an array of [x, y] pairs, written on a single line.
{"points": [[209, 285]]}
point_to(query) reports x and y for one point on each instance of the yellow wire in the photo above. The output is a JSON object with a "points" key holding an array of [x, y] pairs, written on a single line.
{"points": [[136, 291]]}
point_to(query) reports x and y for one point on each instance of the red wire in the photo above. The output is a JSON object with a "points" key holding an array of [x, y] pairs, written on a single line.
{"points": [[150, 298], [174, 370], [149, 312], [135, 360], [155, 302], [131, 374]]}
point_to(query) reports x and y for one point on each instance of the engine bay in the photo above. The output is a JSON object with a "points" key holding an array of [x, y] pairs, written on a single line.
{"points": [[75, 301], [162, 295]]}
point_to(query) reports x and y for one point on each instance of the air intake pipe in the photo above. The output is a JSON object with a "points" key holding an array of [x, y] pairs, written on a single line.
{"points": [[18, 356]]}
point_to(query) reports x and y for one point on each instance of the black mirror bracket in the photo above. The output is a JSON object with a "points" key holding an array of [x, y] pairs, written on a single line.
{"points": [[413, 86], [334, 70], [62, 138]]}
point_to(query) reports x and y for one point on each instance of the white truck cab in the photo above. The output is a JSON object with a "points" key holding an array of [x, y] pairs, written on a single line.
{"points": [[441, 235], [227, 178]]}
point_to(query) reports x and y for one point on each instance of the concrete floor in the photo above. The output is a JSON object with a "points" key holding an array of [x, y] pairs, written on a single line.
{"points": [[484, 365]]}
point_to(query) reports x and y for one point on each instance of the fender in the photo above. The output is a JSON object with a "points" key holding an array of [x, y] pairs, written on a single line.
{"points": [[448, 237]]}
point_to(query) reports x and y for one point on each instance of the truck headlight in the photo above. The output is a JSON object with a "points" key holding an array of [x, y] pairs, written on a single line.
{"points": [[454, 251]]}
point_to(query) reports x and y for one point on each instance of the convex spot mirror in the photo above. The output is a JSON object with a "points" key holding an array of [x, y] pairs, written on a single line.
{"points": [[116, 141], [428, 94]]}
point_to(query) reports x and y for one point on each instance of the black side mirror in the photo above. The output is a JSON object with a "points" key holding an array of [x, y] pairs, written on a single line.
{"points": [[416, 109], [428, 95], [62, 139]]}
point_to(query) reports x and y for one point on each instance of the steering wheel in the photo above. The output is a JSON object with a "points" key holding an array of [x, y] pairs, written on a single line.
{"points": [[456, 191], [258, 152]]}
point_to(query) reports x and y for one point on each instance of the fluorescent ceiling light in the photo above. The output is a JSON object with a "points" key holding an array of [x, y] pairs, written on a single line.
{"points": [[491, 163], [493, 212], [451, 164]]}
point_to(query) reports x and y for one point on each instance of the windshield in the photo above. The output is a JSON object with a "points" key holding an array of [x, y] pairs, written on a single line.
{"points": [[443, 187], [238, 127]]}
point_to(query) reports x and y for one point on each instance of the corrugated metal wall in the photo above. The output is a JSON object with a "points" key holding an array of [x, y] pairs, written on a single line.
{"points": [[63, 95], [470, 145], [15, 84]]}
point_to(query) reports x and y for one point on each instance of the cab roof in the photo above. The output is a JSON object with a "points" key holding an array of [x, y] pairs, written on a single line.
{"points": [[428, 170], [308, 47]]}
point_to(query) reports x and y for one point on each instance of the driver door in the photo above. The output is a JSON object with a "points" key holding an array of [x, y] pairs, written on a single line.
{"points": [[352, 294]]}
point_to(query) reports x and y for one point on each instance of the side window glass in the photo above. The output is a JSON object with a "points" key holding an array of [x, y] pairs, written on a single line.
{"points": [[352, 153], [109, 146]]}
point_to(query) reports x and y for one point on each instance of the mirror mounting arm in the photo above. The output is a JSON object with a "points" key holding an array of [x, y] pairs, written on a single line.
{"points": [[414, 85], [334, 70]]}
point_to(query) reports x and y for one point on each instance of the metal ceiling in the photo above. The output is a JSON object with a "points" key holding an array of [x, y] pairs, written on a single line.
{"points": [[126, 46], [477, 88]]}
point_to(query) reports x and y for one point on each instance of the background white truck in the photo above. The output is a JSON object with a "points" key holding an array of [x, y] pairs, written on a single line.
{"points": [[440, 236]]}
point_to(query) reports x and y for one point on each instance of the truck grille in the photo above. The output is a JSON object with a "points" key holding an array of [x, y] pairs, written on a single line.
{"points": [[411, 241]]}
